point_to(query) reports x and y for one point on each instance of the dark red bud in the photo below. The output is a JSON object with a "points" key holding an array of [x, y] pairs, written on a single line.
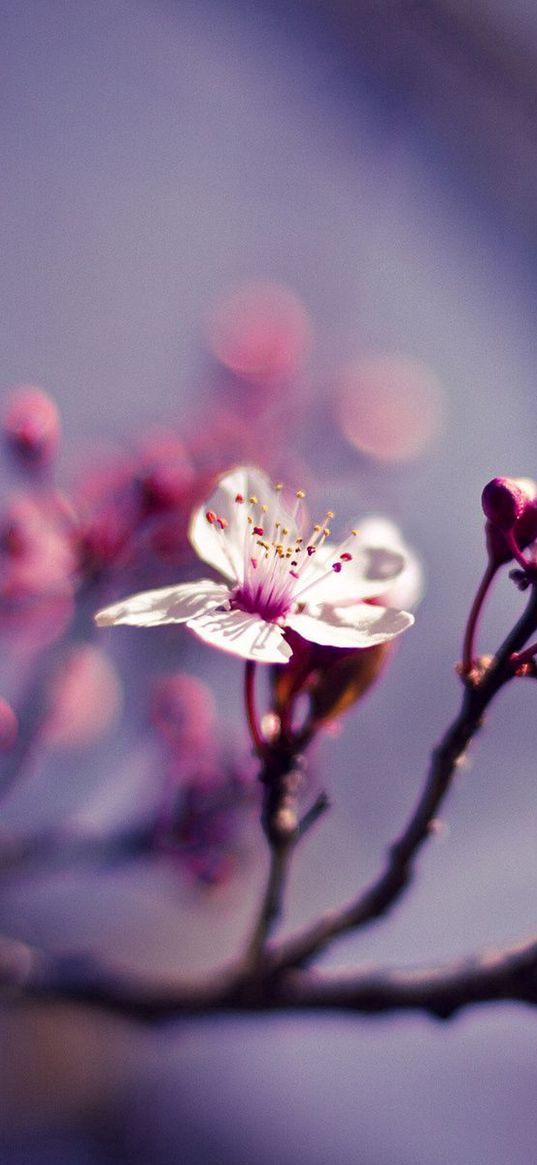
{"points": [[503, 502], [510, 506], [526, 526]]}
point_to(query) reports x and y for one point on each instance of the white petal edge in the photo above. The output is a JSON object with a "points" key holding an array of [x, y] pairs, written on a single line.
{"points": [[362, 626], [407, 590], [238, 633], [175, 604], [371, 571]]}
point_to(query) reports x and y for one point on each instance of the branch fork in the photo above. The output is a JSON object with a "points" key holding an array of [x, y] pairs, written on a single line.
{"points": [[274, 974]]}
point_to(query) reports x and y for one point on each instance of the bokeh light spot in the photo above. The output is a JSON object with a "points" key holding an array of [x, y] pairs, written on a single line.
{"points": [[85, 699], [390, 407], [261, 332]]}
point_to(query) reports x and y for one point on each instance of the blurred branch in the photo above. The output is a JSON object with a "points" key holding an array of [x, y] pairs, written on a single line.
{"points": [[440, 992], [53, 850]]}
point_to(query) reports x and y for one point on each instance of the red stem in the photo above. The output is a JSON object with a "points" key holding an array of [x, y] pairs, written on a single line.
{"points": [[251, 715], [516, 552], [469, 637]]}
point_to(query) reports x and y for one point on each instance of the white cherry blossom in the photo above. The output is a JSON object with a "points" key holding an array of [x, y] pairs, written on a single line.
{"points": [[278, 574]]}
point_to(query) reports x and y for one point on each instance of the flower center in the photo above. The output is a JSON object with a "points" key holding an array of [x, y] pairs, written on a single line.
{"points": [[279, 563]]}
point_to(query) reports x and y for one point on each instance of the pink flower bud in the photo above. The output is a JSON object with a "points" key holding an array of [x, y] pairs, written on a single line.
{"points": [[32, 426], [333, 678], [162, 488], [503, 502], [166, 475], [9, 726], [510, 505]]}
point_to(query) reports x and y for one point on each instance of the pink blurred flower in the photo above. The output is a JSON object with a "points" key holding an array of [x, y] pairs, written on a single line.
{"points": [[390, 407], [35, 549], [165, 473], [135, 507], [32, 425], [261, 332], [183, 711], [37, 569], [84, 699], [9, 726]]}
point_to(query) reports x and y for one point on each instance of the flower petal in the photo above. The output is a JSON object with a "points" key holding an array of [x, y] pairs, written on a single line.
{"points": [[369, 573], [407, 589], [363, 625], [167, 605], [241, 634], [225, 549]]}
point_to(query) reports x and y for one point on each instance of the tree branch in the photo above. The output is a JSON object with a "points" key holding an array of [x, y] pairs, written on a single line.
{"points": [[385, 890], [504, 976]]}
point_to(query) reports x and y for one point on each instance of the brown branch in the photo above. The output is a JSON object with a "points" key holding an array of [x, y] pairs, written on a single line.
{"points": [[385, 890], [276, 980], [281, 827], [440, 992], [271, 902]]}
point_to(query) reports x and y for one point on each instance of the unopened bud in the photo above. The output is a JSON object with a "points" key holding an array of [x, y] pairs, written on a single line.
{"points": [[510, 505], [332, 678], [32, 425], [503, 502]]}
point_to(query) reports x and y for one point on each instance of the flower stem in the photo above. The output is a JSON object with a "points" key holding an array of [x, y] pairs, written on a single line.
{"points": [[260, 743], [469, 636], [516, 552], [271, 904], [279, 819]]}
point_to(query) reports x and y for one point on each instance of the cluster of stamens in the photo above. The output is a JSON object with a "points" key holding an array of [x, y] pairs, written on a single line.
{"points": [[279, 557]]}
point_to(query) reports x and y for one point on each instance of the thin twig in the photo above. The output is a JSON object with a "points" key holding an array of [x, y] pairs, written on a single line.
{"points": [[259, 741], [320, 805], [469, 636], [53, 850], [381, 894], [271, 904]]}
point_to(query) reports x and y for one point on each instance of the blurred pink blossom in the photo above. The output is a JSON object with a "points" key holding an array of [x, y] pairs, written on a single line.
{"points": [[37, 569], [9, 726], [32, 425], [390, 406], [260, 332], [84, 698], [36, 553], [183, 710]]}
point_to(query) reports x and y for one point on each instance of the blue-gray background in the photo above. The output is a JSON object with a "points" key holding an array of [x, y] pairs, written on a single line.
{"points": [[380, 161]]}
